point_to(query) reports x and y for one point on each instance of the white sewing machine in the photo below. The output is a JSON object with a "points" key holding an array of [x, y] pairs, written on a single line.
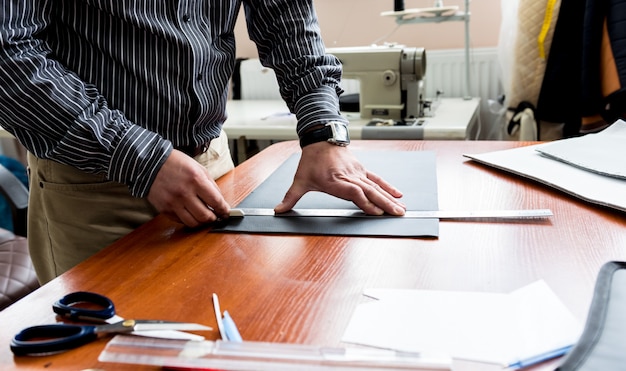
{"points": [[392, 105], [390, 80]]}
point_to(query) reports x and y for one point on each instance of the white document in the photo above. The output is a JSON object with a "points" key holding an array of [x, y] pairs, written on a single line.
{"points": [[529, 162], [486, 327]]}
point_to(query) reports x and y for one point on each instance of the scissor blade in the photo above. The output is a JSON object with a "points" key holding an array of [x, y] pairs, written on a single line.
{"points": [[150, 325], [433, 214]]}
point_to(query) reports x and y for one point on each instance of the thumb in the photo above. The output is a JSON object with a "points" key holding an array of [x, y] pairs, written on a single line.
{"points": [[293, 195]]}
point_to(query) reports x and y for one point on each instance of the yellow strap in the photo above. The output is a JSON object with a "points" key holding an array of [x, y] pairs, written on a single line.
{"points": [[547, 20]]}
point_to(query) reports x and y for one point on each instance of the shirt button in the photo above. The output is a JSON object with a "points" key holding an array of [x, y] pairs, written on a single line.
{"points": [[199, 77], [186, 18]]}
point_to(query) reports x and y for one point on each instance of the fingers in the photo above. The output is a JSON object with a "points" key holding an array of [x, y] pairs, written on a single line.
{"points": [[375, 196], [371, 194], [184, 191], [185, 217], [192, 211], [293, 195], [197, 211], [387, 187], [203, 205], [211, 202]]}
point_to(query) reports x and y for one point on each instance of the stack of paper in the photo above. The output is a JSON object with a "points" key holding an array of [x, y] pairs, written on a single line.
{"points": [[601, 153], [590, 167], [487, 327]]}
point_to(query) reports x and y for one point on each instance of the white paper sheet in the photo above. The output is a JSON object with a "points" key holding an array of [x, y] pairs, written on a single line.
{"points": [[602, 152], [486, 327], [586, 185]]}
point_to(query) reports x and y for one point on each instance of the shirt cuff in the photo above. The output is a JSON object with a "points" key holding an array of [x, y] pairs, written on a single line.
{"points": [[320, 106], [138, 158]]}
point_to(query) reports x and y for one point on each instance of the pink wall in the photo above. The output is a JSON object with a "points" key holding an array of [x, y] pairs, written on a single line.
{"points": [[358, 23]]}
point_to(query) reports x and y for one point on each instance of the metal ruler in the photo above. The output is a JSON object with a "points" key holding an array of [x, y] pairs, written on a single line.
{"points": [[435, 214]]}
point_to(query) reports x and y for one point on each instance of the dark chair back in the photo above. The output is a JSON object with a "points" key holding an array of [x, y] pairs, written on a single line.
{"points": [[17, 274]]}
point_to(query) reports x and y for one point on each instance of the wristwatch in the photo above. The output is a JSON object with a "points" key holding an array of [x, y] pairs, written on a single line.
{"points": [[334, 132]]}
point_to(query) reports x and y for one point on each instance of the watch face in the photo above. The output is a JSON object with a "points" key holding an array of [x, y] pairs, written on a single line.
{"points": [[340, 133]]}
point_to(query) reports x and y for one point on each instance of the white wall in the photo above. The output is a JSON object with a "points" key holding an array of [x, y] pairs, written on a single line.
{"points": [[358, 23]]}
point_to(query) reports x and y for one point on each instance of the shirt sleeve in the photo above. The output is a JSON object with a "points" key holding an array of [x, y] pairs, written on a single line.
{"points": [[288, 40], [57, 116]]}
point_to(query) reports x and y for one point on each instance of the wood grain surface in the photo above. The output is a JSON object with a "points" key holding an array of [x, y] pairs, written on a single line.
{"points": [[304, 289]]}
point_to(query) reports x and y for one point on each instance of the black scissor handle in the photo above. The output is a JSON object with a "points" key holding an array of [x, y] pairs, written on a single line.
{"points": [[65, 306], [51, 338]]}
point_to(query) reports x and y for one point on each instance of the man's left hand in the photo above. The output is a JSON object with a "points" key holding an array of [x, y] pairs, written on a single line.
{"points": [[335, 170]]}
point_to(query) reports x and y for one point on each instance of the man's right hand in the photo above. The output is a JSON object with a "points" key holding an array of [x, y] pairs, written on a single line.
{"points": [[184, 191]]}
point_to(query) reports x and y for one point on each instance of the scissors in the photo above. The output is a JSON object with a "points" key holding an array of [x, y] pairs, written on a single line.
{"points": [[92, 307]]}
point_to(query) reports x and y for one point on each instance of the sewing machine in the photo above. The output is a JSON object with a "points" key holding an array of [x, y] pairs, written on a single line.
{"points": [[390, 81], [391, 101]]}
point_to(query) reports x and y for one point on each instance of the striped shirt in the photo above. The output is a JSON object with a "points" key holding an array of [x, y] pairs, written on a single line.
{"points": [[111, 86]]}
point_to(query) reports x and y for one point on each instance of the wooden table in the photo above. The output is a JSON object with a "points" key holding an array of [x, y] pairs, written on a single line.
{"points": [[304, 289]]}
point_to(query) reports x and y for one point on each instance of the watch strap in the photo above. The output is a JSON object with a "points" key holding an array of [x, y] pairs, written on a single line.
{"points": [[333, 132], [317, 135]]}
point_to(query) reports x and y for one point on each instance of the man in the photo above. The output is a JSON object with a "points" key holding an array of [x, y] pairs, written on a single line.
{"points": [[121, 105]]}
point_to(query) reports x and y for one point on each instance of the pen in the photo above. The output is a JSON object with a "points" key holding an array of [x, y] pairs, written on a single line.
{"points": [[226, 325], [530, 361], [231, 329], [218, 317]]}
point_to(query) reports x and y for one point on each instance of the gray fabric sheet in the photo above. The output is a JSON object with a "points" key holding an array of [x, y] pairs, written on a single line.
{"points": [[414, 173]]}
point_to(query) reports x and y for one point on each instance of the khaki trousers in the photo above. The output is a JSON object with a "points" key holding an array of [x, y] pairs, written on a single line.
{"points": [[73, 214]]}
